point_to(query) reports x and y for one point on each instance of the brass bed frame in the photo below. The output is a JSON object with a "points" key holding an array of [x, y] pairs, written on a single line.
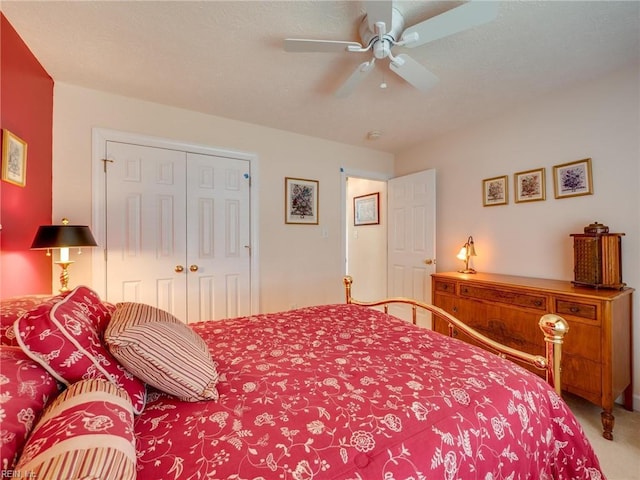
{"points": [[553, 326]]}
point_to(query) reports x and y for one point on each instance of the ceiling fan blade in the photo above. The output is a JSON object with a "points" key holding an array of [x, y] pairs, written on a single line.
{"points": [[354, 80], [470, 14], [378, 11], [326, 46], [413, 72]]}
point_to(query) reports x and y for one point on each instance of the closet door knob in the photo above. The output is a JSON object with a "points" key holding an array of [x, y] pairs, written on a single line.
{"points": [[193, 268], [178, 268]]}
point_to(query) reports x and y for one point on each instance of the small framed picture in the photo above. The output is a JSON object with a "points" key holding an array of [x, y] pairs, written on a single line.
{"points": [[366, 209], [529, 185], [495, 191], [14, 159], [573, 179], [300, 201]]}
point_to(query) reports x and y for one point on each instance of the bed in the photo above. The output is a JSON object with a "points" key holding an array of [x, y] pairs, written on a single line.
{"points": [[339, 391]]}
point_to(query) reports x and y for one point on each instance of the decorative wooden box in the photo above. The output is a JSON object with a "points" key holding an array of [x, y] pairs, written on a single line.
{"points": [[598, 257]]}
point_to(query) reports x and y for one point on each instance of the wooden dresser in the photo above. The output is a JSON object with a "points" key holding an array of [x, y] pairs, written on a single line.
{"points": [[596, 356]]}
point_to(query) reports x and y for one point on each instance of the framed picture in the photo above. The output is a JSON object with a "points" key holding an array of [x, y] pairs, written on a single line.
{"points": [[495, 191], [529, 185], [14, 159], [573, 179], [300, 201], [366, 209]]}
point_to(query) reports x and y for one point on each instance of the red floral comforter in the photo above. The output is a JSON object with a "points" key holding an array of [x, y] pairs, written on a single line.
{"points": [[346, 392]]}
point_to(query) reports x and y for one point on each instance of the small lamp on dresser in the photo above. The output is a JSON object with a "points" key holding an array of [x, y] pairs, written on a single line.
{"points": [[467, 251]]}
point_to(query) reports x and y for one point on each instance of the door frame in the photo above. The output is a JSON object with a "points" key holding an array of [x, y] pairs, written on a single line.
{"points": [[344, 174], [99, 137]]}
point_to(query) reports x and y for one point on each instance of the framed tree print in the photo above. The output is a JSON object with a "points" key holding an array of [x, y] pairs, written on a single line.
{"points": [[529, 185], [495, 191], [14, 159], [301, 201]]}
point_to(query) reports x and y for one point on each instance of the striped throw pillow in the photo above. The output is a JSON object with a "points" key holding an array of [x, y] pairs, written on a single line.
{"points": [[86, 433], [162, 351]]}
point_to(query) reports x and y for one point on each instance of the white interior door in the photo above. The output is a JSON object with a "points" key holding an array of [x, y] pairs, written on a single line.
{"points": [[177, 231], [218, 253], [411, 238], [146, 226]]}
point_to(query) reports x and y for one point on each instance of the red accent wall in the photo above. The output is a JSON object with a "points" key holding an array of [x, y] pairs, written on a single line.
{"points": [[26, 110]]}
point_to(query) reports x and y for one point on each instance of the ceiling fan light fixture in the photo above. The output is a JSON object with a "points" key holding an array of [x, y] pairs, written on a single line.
{"points": [[409, 38], [397, 61]]}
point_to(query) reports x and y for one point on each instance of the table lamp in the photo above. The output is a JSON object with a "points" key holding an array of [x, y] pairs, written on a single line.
{"points": [[51, 237], [468, 250]]}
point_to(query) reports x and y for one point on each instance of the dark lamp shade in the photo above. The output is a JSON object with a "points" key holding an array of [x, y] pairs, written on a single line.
{"points": [[59, 236]]}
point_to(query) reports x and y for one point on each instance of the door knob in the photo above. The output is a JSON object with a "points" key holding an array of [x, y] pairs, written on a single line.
{"points": [[430, 261], [193, 268], [178, 268]]}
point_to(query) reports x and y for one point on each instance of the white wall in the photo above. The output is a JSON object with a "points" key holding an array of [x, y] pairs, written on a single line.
{"points": [[599, 120], [298, 266], [367, 244]]}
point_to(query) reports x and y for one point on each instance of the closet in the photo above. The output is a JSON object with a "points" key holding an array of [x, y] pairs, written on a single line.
{"points": [[177, 230]]}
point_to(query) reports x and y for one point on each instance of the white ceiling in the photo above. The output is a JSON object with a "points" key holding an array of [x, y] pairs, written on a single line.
{"points": [[226, 58]]}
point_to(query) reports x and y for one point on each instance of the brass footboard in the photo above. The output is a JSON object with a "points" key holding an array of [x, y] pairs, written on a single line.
{"points": [[553, 327]]}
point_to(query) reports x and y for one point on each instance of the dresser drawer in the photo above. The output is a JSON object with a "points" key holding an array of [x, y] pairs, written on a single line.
{"points": [[442, 286], [520, 299], [582, 310], [581, 376]]}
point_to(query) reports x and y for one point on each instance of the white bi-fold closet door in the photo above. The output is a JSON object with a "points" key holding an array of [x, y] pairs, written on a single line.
{"points": [[178, 231]]}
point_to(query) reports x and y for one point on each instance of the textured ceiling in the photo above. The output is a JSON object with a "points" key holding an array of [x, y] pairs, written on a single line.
{"points": [[226, 58]]}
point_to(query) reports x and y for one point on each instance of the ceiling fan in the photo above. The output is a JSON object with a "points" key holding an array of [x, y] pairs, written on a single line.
{"points": [[382, 29]]}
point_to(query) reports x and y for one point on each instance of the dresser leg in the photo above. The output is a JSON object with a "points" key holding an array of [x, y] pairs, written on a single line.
{"points": [[608, 420]]}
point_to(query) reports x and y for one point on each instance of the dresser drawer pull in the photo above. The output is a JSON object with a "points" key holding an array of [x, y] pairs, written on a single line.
{"points": [[538, 303], [445, 287], [581, 310]]}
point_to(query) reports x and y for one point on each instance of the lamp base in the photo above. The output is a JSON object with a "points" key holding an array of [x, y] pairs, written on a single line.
{"points": [[64, 276], [468, 270]]}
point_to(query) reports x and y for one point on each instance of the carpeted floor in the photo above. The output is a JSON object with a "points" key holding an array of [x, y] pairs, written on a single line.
{"points": [[620, 458]]}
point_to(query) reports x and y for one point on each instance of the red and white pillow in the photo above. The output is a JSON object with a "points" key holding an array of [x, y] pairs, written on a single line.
{"points": [[86, 433], [25, 389], [162, 351], [11, 309], [65, 337]]}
